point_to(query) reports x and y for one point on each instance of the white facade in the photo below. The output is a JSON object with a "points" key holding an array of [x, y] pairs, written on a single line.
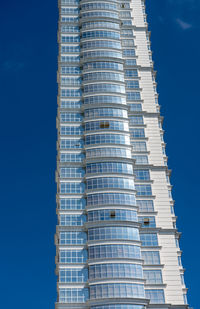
{"points": [[169, 252]]}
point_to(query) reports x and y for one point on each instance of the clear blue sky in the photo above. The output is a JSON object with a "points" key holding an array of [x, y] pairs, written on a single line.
{"points": [[28, 63]]}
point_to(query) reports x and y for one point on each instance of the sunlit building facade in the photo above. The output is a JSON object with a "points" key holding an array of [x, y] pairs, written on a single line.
{"points": [[116, 239]]}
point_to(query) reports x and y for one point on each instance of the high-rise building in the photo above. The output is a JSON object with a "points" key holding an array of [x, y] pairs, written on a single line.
{"points": [[117, 241]]}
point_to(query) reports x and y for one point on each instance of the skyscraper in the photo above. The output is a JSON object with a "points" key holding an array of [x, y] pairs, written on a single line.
{"points": [[117, 242]]}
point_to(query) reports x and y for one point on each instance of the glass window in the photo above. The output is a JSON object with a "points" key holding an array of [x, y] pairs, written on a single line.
{"points": [[110, 199], [73, 275], [73, 256], [70, 81], [127, 22], [139, 146], [70, 19], [108, 152], [132, 84], [106, 125], [70, 117], [69, 11], [103, 76], [72, 203], [103, 65], [133, 96], [101, 53], [140, 160], [115, 270], [70, 28], [109, 167], [70, 59], [100, 14], [72, 187], [110, 182], [143, 190], [129, 53], [112, 214], [104, 99], [145, 205], [128, 43], [151, 257], [155, 296], [72, 238], [131, 73], [99, 24], [99, 5], [127, 33], [70, 104], [125, 5], [123, 14], [70, 39], [105, 112], [142, 174], [70, 70], [71, 130], [153, 276], [71, 172], [119, 306], [179, 261], [135, 107], [136, 120], [72, 220], [101, 44], [68, 2], [113, 232], [70, 49], [71, 143], [101, 34], [149, 240], [71, 93], [147, 222], [73, 295], [131, 62], [104, 88], [71, 157], [113, 290], [137, 133], [185, 299], [182, 279], [107, 139], [114, 251]]}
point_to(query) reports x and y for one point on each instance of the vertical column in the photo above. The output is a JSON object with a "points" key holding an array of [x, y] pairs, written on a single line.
{"points": [[160, 249], [71, 237], [114, 258]]}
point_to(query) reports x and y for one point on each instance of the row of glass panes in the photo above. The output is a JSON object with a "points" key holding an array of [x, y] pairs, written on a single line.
{"points": [[116, 270], [105, 215], [102, 251], [117, 183]]}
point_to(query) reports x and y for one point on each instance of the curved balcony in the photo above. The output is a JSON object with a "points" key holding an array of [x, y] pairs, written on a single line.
{"points": [[100, 44], [105, 215], [99, 15], [119, 305], [101, 54], [99, 24], [104, 152], [102, 6], [116, 270], [106, 125], [102, 65], [100, 112]]}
